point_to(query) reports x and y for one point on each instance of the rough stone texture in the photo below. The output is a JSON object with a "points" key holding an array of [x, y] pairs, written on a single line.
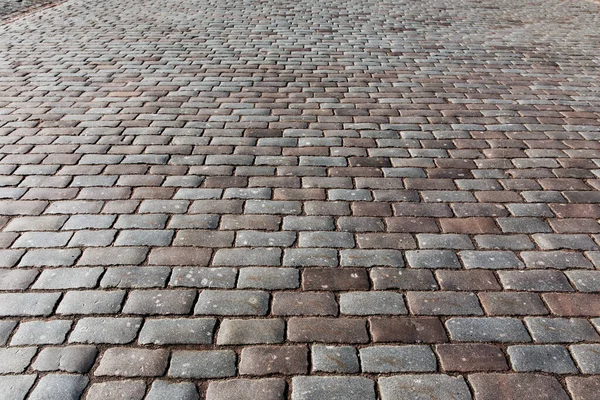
{"points": [[587, 357], [484, 329], [59, 387], [165, 390], [471, 357], [246, 389], [41, 332], [121, 389], [335, 359], [240, 331], [583, 388], [16, 359], [384, 359], [541, 358], [332, 387], [267, 360], [74, 359], [241, 302], [119, 361], [429, 387], [177, 331], [202, 364], [16, 386], [516, 386], [105, 330]]}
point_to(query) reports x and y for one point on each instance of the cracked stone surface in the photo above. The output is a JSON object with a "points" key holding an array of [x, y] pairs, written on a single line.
{"points": [[272, 200]]}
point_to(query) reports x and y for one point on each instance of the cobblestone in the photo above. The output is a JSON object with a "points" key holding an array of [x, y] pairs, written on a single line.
{"points": [[334, 387], [560, 330], [240, 331], [335, 359], [166, 390], [74, 359], [177, 331], [263, 190], [489, 386], [105, 330], [409, 358], [406, 387], [202, 364], [16, 386], [120, 361], [121, 389], [247, 389], [55, 387], [541, 358]]}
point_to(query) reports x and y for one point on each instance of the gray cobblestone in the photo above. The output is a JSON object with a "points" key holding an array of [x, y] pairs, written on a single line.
{"points": [[432, 259], [203, 277], [490, 259], [42, 239], [247, 257], [246, 389], [176, 391], [265, 239], [302, 223], [405, 387], [27, 304], [444, 241], [543, 358], [202, 364], [74, 359], [41, 332], [6, 328], [16, 359], [310, 257], [334, 359], [121, 389], [59, 387], [555, 260], [68, 278], [120, 361], [16, 387], [50, 258], [164, 302], [483, 329], [117, 389], [385, 359], [135, 277], [585, 281], [91, 302], [92, 238], [105, 330], [332, 387], [560, 330], [587, 357], [366, 303], [240, 331], [371, 258], [325, 239], [16, 279], [535, 281], [268, 278], [177, 331], [239, 302]]}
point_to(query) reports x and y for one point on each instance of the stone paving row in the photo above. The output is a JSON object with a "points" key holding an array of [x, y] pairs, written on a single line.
{"points": [[11, 9], [275, 200]]}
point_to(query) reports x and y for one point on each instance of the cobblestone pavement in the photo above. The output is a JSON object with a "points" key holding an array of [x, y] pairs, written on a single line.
{"points": [[10, 9], [270, 200]]}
